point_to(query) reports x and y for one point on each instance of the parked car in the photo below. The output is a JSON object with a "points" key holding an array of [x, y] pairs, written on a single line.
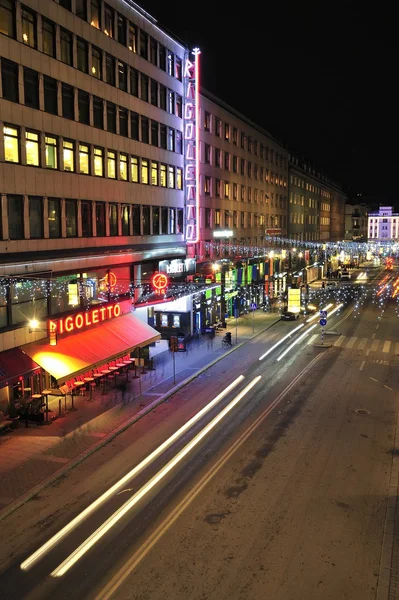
{"points": [[288, 315]]}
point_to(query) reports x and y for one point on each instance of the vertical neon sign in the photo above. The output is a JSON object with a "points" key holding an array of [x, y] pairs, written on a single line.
{"points": [[191, 151]]}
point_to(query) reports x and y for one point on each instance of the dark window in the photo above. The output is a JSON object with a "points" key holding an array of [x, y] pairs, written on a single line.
{"points": [[100, 219], [54, 218], [178, 69], [153, 51], [123, 122], [48, 31], [68, 108], [31, 87], [109, 21], [28, 27], [9, 76], [154, 92], [125, 216], [121, 30], [122, 73], [96, 14], [87, 229], [179, 220], [162, 97], [154, 133], [81, 9], [136, 219], [145, 130], [96, 63], [113, 219], [71, 218], [7, 18], [84, 107], [162, 140], [36, 217], [111, 117], [98, 112], [144, 87], [144, 45], [155, 220], [82, 56], [146, 220], [66, 4], [110, 69], [134, 82], [66, 47], [164, 219], [179, 142], [50, 95], [15, 217], [134, 125], [162, 57], [179, 106]]}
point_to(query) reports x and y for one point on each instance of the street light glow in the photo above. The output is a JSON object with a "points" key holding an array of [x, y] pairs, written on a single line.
{"points": [[33, 323]]}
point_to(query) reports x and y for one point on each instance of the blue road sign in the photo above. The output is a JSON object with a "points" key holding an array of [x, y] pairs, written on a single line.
{"points": [[323, 314], [253, 306], [236, 313], [323, 322]]}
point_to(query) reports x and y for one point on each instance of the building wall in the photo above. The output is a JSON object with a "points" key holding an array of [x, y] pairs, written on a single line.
{"points": [[383, 225], [356, 221]]}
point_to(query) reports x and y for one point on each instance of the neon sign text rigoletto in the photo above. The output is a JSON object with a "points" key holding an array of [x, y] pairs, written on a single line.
{"points": [[191, 141], [81, 320]]}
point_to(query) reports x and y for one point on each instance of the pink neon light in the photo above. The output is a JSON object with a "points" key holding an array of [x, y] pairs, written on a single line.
{"points": [[197, 84]]}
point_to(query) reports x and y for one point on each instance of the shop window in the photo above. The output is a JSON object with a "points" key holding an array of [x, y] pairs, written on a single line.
{"points": [[11, 144], [111, 117], [96, 63], [154, 133], [154, 173], [164, 220], [9, 76], [155, 220], [32, 148], [28, 301], [144, 171], [132, 39], [98, 162], [108, 21], [98, 112], [84, 159], [176, 321], [68, 102], [143, 45], [123, 122], [48, 34], [87, 224], [110, 69], [134, 126], [28, 18], [50, 95], [162, 57], [111, 164], [145, 133], [82, 56], [121, 24], [68, 148], [144, 87], [146, 220], [66, 47], [162, 178], [122, 76], [15, 207], [96, 13], [84, 107], [51, 144], [179, 178], [36, 217], [164, 320], [171, 177], [134, 169], [71, 214], [125, 216], [136, 219], [31, 88], [123, 167], [113, 219], [54, 217], [134, 82]]}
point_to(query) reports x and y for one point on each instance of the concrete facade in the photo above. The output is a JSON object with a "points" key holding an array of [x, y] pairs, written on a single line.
{"points": [[383, 225]]}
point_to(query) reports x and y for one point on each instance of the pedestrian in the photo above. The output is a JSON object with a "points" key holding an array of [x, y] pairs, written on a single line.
{"points": [[323, 285], [123, 389]]}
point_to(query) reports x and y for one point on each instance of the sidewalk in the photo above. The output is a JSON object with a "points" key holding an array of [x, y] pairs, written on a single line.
{"points": [[32, 458]]}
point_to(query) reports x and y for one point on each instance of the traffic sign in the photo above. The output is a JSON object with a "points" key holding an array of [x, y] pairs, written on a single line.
{"points": [[323, 314], [323, 322], [253, 306]]}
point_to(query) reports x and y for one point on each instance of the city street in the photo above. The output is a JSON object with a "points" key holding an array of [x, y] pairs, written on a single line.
{"points": [[277, 489]]}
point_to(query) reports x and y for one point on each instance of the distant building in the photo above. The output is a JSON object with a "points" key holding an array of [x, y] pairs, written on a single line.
{"points": [[356, 221], [383, 225]]}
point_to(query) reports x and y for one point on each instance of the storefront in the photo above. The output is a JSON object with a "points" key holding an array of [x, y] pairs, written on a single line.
{"points": [[20, 377]]}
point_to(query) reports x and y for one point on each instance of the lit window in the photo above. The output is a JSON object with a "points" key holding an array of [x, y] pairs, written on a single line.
{"points": [[123, 167], [51, 152], [7, 18], [11, 144], [171, 177], [111, 164], [99, 162], [132, 38], [144, 171], [134, 169], [28, 27], [95, 13], [163, 176], [154, 173], [69, 163], [84, 159], [32, 148], [179, 178]]}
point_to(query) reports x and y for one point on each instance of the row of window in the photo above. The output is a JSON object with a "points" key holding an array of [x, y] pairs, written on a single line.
{"points": [[86, 159], [383, 220], [294, 180], [128, 34], [91, 110], [216, 217], [214, 125], [224, 160], [217, 188], [59, 218]]}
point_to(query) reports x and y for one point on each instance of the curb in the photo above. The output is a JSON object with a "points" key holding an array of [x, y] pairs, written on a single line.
{"points": [[109, 437]]}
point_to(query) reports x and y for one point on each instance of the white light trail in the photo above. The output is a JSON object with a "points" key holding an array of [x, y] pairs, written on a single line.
{"points": [[296, 342], [281, 341], [317, 316], [29, 562], [123, 510]]}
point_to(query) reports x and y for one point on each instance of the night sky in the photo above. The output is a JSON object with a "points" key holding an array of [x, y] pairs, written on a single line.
{"points": [[318, 77]]}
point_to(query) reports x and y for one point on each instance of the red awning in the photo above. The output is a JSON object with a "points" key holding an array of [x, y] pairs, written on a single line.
{"points": [[13, 364], [80, 352]]}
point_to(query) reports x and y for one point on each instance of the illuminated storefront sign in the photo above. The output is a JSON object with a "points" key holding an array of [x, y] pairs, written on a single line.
{"points": [[222, 233], [294, 300], [84, 319], [191, 147], [159, 283], [177, 267]]}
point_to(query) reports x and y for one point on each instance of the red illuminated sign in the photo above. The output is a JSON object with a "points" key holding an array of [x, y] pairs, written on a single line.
{"points": [[84, 319], [191, 141], [159, 283]]}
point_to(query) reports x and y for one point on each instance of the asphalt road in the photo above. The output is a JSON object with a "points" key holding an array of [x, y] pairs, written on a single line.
{"points": [[284, 497]]}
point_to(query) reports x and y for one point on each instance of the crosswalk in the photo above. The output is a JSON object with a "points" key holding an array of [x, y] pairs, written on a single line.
{"points": [[359, 343]]}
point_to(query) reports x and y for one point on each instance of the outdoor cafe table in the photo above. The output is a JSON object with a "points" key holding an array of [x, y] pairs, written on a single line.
{"points": [[46, 394], [88, 380]]}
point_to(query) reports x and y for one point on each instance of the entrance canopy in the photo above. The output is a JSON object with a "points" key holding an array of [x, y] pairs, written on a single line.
{"points": [[13, 364], [81, 352]]}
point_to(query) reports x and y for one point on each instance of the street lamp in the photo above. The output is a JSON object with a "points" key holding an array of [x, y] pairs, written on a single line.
{"points": [[51, 330]]}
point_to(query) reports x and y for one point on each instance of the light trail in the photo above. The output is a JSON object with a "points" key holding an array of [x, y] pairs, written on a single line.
{"points": [[29, 562], [317, 316], [281, 341], [301, 337], [123, 510]]}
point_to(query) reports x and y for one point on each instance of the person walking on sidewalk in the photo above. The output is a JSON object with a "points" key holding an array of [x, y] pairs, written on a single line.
{"points": [[122, 387]]}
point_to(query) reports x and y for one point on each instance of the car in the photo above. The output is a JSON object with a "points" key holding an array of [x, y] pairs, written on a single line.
{"points": [[288, 315], [345, 275]]}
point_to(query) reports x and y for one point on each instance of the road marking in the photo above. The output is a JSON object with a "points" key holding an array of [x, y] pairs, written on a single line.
{"points": [[362, 366], [373, 336], [351, 342], [372, 378], [312, 339], [362, 343], [374, 345], [377, 326], [367, 352], [386, 346], [108, 591], [388, 388], [340, 341]]}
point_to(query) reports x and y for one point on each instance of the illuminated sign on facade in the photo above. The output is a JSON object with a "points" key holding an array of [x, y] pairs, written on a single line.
{"points": [[191, 146], [159, 283], [81, 320], [222, 233]]}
